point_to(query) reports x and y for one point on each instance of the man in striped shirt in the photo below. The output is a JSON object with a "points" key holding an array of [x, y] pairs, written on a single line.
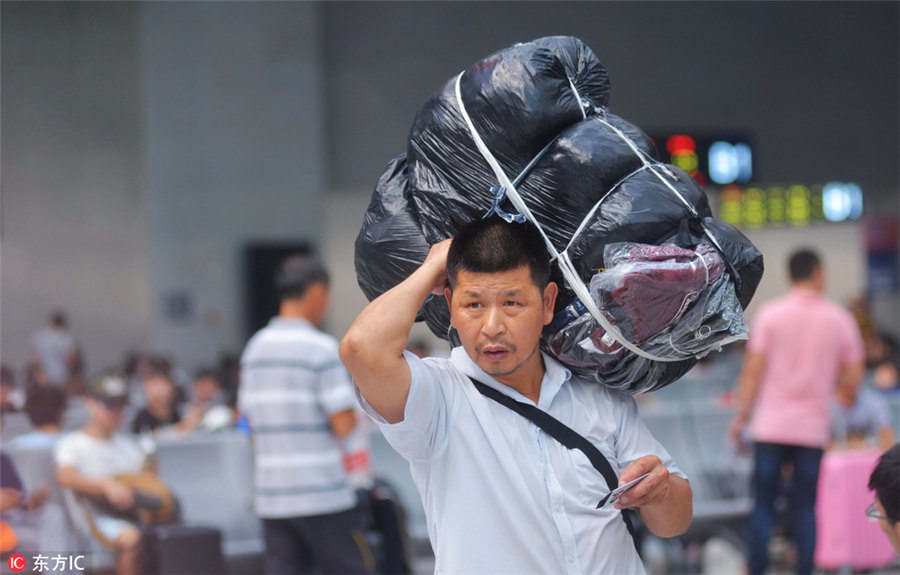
{"points": [[299, 402]]}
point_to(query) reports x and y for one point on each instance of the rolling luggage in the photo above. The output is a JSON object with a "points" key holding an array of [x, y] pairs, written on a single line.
{"points": [[845, 536], [182, 549]]}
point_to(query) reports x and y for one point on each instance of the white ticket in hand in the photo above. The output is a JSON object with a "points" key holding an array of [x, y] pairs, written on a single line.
{"points": [[613, 495]]}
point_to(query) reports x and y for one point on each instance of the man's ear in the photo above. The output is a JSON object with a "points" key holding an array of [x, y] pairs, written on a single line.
{"points": [[550, 293], [448, 295]]}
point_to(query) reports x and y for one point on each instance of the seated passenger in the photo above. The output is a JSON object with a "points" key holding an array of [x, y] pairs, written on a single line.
{"points": [[860, 421], [45, 407], [32, 523], [160, 413], [208, 408], [89, 461]]}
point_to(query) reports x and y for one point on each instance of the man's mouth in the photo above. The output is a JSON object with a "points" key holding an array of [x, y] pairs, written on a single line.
{"points": [[495, 353]]}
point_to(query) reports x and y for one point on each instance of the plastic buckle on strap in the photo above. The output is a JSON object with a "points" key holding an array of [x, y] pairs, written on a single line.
{"points": [[499, 195]]}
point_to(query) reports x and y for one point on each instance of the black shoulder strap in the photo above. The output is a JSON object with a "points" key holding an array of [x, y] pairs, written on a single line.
{"points": [[562, 433]]}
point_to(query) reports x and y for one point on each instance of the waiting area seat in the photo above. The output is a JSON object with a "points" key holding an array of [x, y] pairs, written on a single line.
{"points": [[212, 477]]}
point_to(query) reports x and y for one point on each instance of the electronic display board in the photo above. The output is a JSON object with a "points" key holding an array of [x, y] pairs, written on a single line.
{"points": [[709, 159], [790, 205]]}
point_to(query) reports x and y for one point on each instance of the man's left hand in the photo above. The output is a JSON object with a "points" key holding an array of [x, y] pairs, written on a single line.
{"points": [[653, 490]]}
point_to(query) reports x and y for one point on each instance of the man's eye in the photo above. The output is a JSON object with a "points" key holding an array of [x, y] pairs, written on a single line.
{"points": [[512, 303], [473, 305]]}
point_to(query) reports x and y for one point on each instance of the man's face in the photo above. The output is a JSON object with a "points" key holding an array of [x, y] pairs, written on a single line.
{"points": [[318, 296], [892, 530], [206, 389], [159, 390], [107, 414], [499, 317]]}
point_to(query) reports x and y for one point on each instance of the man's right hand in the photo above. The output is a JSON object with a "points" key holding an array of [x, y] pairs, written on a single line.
{"points": [[437, 260], [372, 349], [118, 494]]}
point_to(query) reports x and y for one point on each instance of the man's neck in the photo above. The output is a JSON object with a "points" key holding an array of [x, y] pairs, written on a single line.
{"points": [[294, 309], [97, 431], [532, 391], [528, 379], [806, 287], [50, 428]]}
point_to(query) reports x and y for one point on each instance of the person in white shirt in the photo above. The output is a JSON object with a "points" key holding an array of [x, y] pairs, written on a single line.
{"points": [[88, 461], [500, 495]]}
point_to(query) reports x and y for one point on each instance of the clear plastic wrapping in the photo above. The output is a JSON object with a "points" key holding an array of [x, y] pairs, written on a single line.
{"points": [[674, 303]]}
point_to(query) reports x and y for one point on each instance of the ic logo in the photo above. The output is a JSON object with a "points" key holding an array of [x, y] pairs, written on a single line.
{"points": [[16, 562]]}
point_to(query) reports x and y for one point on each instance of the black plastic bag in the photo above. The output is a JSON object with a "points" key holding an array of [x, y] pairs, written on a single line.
{"points": [[519, 99], [586, 177]]}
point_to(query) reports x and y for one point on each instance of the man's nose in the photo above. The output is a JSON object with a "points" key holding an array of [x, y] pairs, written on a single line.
{"points": [[493, 322]]}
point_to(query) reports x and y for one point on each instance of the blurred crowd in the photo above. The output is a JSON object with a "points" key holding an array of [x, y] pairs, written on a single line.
{"points": [[166, 402], [164, 398], [101, 432]]}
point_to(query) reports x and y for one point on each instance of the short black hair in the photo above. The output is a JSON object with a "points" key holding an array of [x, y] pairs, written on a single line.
{"points": [[885, 482], [802, 264], [297, 274], [58, 318], [45, 404], [495, 245]]}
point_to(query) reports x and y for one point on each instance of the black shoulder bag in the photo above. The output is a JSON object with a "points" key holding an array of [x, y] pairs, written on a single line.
{"points": [[565, 435]]}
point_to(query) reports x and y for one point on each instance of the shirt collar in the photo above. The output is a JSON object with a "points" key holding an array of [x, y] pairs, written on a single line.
{"points": [[290, 322], [555, 375], [804, 293]]}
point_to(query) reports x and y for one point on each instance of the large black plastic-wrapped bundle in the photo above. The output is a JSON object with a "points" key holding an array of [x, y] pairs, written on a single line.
{"points": [[526, 130]]}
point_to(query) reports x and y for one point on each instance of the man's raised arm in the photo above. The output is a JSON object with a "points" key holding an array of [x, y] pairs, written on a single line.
{"points": [[372, 349]]}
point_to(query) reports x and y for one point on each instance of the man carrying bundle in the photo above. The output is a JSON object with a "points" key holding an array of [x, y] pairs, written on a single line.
{"points": [[501, 494]]}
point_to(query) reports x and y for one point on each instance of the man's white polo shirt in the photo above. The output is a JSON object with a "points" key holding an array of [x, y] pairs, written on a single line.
{"points": [[500, 495]]}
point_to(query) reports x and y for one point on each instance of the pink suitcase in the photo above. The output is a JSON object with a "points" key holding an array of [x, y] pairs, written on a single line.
{"points": [[844, 535]]}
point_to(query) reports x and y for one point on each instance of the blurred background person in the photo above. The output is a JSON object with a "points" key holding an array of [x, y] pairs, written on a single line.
{"points": [[45, 407], [802, 348], [36, 376], [229, 370], [882, 349], [88, 461], [160, 411], [9, 396], [53, 348], [299, 402], [885, 482], [207, 409], [36, 524], [860, 420]]}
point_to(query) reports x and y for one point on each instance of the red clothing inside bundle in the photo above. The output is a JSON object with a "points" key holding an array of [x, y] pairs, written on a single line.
{"points": [[659, 283]]}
